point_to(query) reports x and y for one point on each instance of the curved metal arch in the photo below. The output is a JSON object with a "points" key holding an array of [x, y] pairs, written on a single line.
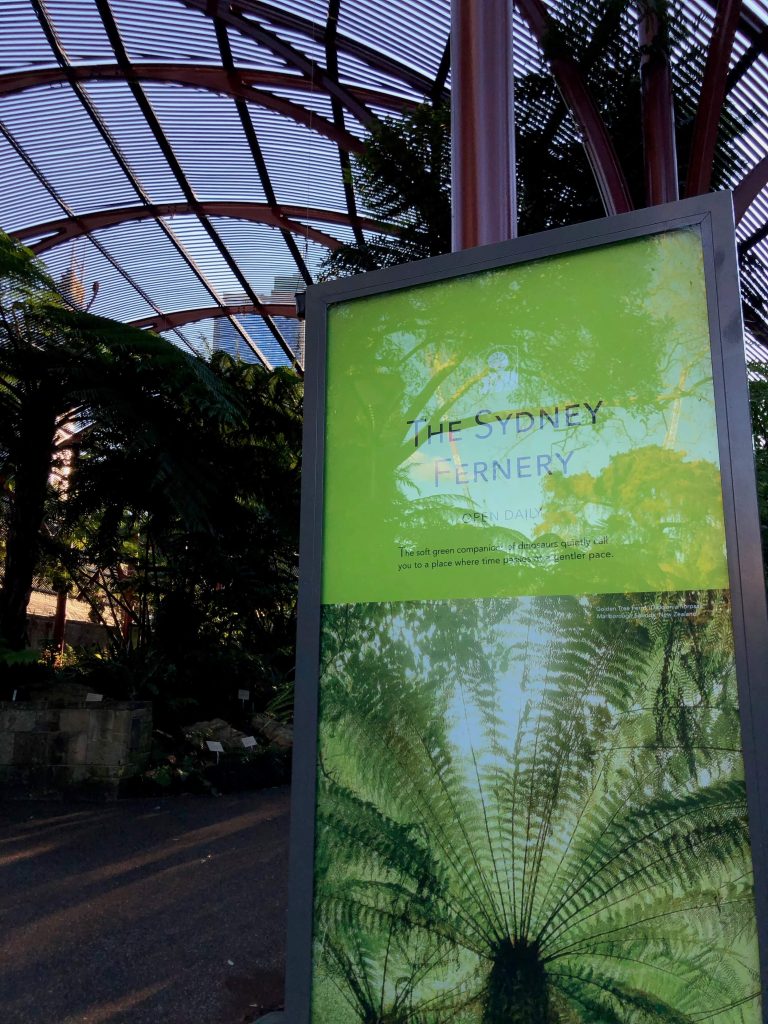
{"points": [[227, 14], [64, 229], [166, 71], [367, 54], [750, 186], [212, 79], [169, 321]]}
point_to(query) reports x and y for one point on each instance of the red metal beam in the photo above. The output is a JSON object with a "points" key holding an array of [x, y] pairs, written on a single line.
{"points": [[438, 87], [660, 153], [332, 64], [229, 14], [65, 228], [71, 215], [750, 24], [257, 154], [753, 239], [169, 321], [712, 96], [749, 187], [87, 104], [121, 54], [197, 77], [602, 33], [283, 17], [154, 71], [601, 153]]}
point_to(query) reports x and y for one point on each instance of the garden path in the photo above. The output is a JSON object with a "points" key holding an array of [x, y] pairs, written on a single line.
{"points": [[160, 911]]}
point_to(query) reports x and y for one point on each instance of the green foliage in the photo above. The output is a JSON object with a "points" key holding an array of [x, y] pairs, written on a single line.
{"points": [[63, 375], [202, 558], [8, 656], [555, 182], [403, 177], [178, 518], [758, 403], [185, 771], [523, 831]]}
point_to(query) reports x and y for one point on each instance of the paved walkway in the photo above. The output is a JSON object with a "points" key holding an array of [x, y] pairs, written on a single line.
{"points": [[143, 911]]}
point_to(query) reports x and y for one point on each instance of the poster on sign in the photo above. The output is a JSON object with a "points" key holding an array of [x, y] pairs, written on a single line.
{"points": [[532, 638]]}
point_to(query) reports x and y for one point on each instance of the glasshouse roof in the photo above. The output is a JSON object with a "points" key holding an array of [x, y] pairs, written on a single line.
{"points": [[192, 156]]}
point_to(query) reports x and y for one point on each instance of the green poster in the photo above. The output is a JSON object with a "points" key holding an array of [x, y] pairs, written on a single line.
{"points": [[530, 790], [538, 429]]}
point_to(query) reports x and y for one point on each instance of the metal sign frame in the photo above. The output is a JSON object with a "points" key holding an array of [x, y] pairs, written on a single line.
{"points": [[713, 216]]}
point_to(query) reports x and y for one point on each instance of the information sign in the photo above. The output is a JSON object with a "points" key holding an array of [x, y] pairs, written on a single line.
{"points": [[531, 630]]}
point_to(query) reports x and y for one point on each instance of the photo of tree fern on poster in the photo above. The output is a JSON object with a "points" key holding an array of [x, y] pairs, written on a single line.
{"points": [[532, 811]]}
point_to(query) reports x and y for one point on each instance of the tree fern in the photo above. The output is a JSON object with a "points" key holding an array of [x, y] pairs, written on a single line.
{"points": [[523, 826]]}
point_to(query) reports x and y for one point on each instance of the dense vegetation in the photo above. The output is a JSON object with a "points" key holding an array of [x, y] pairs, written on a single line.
{"points": [[160, 489]]}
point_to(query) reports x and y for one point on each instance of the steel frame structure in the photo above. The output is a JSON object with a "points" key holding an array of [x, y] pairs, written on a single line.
{"points": [[321, 71]]}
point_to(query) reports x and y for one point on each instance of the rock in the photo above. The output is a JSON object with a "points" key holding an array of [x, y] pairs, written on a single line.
{"points": [[276, 732], [215, 729]]}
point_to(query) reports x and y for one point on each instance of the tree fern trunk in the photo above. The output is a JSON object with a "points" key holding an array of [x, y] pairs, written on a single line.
{"points": [[517, 986], [25, 521]]}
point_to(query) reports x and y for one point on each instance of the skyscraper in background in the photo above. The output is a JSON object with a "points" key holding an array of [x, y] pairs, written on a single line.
{"points": [[227, 339], [71, 282]]}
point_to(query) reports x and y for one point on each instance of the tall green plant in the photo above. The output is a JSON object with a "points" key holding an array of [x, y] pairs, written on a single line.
{"points": [[403, 176], [64, 370], [529, 832], [203, 565]]}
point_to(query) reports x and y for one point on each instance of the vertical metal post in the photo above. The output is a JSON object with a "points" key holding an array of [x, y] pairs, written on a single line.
{"points": [[482, 123], [658, 109]]}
